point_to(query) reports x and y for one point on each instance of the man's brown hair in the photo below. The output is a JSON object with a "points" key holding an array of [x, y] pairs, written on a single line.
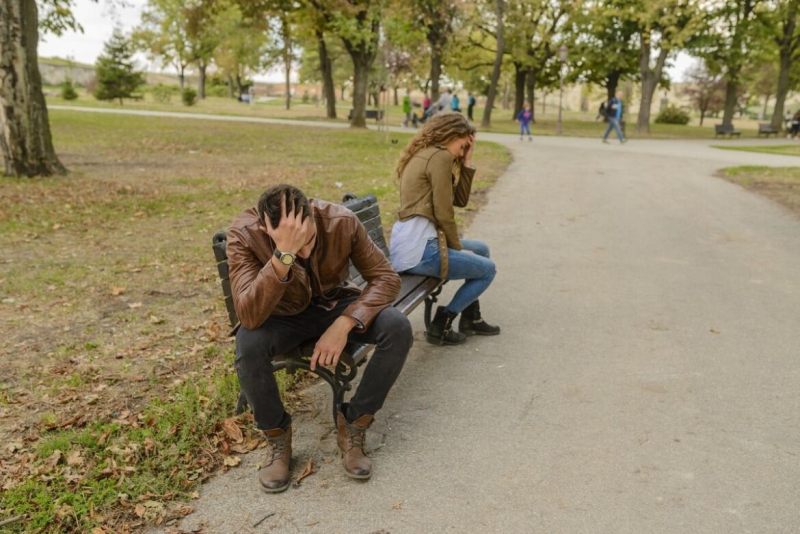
{"points": [[269, 205]]}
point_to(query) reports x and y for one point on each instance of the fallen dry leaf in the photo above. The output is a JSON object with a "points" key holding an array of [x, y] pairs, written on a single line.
{"points": [[307, 471], [135, 305], [117, 290], [156, 320], [98, 530], [232, 461], [74, 458], [140, 510], [232, 430]]}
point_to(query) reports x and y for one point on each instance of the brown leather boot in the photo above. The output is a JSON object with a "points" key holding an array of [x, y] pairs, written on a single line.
{"points": [[351, 444], [274, 473]]}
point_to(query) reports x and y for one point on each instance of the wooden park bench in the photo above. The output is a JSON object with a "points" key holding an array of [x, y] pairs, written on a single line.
{"points": [[725, 129], [376, 114], [766, 129], [415, 289]]}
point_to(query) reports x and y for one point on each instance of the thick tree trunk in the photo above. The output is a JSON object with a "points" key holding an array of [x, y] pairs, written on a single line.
{"points": [[436, 71], [182, 78], [766, 103], [612, 81], [530, 85], [360, 74], [27, 144], [396, 101], [326, 66], [287, 90], [486, 121], [519, 88], [201, 84], [239, 87], [230, 87], [783, 86], [731, 90], [702, 116], [650, 79]]}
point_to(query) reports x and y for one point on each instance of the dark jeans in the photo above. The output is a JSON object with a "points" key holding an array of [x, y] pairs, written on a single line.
{"points": [[390, 332]]}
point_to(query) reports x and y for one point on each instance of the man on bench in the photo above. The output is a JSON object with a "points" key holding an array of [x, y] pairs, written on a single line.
{"points": [[288, 261]]}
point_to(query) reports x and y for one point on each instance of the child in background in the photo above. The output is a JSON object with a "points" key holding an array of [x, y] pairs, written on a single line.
{"points": [[524, 119]]}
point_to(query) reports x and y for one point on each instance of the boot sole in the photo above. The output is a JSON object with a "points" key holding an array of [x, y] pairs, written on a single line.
{"points": [[441, 342], [276, 490], [469, 333]]}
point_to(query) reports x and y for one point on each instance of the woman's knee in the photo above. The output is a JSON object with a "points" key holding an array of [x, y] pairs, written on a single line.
{"points": [[478, 247]]}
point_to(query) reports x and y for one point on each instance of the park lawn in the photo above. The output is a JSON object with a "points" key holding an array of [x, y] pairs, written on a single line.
{"points": [[575, 124], [782, 184], [783, 150], [116, 364]]}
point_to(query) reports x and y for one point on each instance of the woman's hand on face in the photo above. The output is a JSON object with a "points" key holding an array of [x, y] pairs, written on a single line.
{"points": [[469, 150]]}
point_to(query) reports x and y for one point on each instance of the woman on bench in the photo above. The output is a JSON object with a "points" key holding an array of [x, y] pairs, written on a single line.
{"points": [[436, 173]]}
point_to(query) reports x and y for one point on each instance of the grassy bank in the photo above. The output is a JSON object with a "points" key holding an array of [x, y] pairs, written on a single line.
{"points": [[118, 387], [781, 150], [781, 184]]}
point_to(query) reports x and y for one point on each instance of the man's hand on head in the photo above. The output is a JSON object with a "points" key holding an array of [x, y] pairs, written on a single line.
{"points": [[292, 232], [332, 342]]}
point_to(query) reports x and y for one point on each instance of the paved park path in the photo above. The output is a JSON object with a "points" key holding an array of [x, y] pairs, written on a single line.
{"points": [[647, 379]]}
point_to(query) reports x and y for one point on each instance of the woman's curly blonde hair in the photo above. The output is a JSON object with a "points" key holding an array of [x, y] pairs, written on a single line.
{"points": [[439, 130]]}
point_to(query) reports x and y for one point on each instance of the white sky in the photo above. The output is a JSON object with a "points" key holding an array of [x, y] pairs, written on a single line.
{"points": [[98, 21]]}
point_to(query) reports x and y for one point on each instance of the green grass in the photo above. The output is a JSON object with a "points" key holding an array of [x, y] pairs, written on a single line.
{"points": [[139, 399], [783, 150], [781, 184], [575, 123]]}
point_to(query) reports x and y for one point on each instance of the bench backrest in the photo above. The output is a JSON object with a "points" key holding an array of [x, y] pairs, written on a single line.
{"points": [[366, 209]]}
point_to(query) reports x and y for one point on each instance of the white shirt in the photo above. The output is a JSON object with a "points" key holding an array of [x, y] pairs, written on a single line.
{"points": [[408, 242]]}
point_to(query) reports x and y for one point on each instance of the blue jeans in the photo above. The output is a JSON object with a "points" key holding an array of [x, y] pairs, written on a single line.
{"points": [[613, 122], [524, 127], [476, 268]]}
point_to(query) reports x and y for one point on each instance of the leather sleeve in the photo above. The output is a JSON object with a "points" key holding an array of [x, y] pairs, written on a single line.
{"points": [[255, 287], [383, 283], [464, 187], [440, 174]]}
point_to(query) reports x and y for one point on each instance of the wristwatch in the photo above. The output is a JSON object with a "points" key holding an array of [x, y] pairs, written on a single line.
{"points": [[286, 258]]}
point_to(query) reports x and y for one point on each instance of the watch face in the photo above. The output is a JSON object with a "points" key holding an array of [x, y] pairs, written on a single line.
{"points": [[287, 259]]}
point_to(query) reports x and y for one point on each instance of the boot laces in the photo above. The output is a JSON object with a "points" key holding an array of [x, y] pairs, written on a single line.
{"points": [[276, 448], [355, 437]]}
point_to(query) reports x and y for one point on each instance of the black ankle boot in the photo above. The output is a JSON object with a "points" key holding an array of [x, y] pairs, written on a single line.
{"points": [[471, 322], [440, 331]]}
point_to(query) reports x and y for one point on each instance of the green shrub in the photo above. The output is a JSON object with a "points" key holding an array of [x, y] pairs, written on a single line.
{"points": [[673, 115], [163, 93], [189, 96], [218, 90], [68, 91]]}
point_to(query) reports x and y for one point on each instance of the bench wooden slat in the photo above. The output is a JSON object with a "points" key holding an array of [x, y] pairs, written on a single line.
{"points": [[414, 291]]}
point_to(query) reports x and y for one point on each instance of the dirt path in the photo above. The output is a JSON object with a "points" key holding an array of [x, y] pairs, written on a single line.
{"points": [[646, 379]]}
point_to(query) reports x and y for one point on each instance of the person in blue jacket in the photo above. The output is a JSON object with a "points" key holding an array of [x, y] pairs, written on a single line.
{"points": [[455, 104], [614, 115], [524, 119]]}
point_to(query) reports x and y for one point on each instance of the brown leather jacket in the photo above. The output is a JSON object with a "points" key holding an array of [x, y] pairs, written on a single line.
{"points": [[259, 293], [430, 188]]}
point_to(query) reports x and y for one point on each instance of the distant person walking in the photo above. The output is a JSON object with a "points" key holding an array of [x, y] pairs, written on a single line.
{"points": [[614, 115], [524, 119], [426, 103], [470, 106], [407, 109], [443, 104]]}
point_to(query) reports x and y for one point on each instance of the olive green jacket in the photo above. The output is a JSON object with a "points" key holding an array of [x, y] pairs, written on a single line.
{"points": [[431, 185]]}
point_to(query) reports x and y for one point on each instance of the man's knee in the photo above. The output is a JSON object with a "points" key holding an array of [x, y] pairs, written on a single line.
{"points": [[251, 344], [394, 327]]}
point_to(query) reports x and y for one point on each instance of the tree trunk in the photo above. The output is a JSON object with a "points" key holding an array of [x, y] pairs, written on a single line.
{"points": [[26, 142], [731, 90], [230, 87], [396, 101], [182, 78], [530, 85], [286, 37], [287, 90], [239, 88], [786, 53], [436, 71], [612, 81], [766, 103], [650, 79], [486, 121], [201, 84], [326, 66], [360, 74], [702, 116], [519, 88]]}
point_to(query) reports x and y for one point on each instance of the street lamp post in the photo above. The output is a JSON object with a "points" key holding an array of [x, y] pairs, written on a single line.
{"points": [[562, 57]]}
